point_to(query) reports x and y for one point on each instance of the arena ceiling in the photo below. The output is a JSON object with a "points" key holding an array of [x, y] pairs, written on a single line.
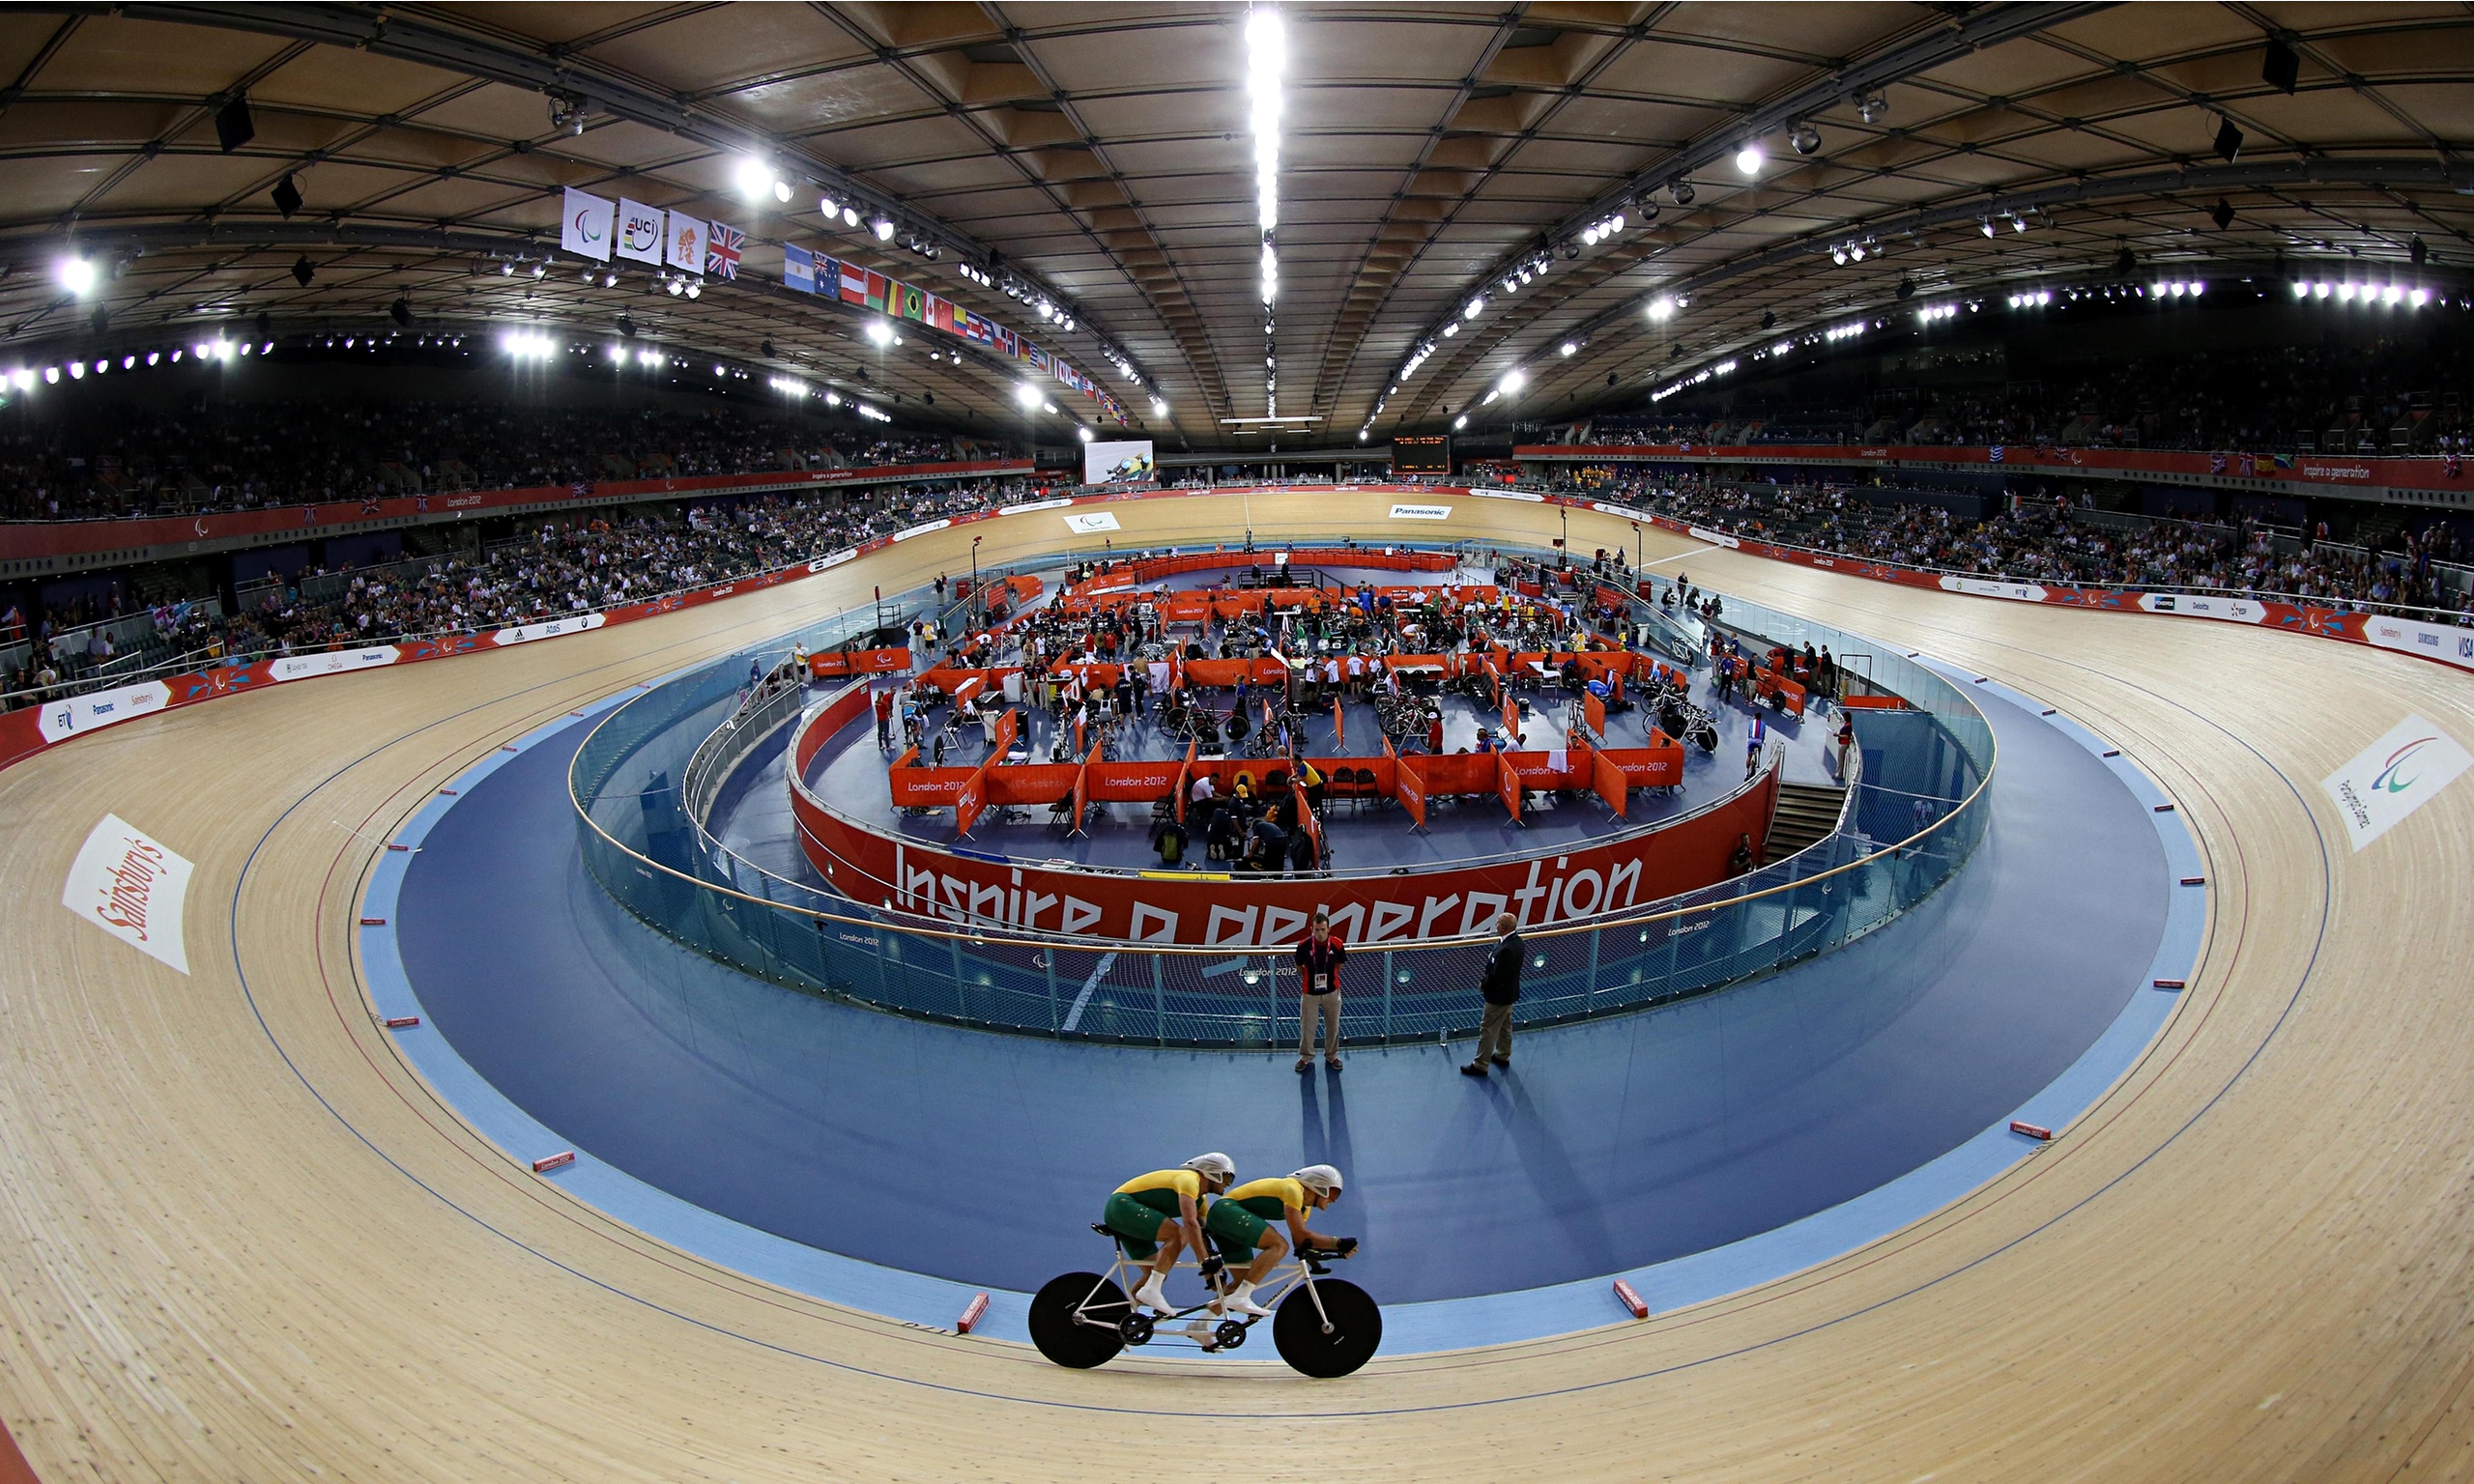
{"points": [[1105, 153]]}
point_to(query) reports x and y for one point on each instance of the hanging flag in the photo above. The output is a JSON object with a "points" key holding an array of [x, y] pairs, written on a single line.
{"points": [[942, 314], [1035, 355], [880, 290], [1007, 342], [854, 284], [1994, 454], [721, 250], [977, 329], [798, 269], [912, 303], [686, 243], [638, 232], [584, 228]]}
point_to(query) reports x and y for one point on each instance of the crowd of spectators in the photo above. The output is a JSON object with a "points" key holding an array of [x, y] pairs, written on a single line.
{"points": [[123, 461], [556, 569], [2045, 540], [2322, 398]]}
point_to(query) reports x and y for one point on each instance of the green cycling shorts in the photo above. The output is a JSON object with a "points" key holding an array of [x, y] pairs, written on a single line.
{"points": [[1135, 1225], [1235, 1231]]}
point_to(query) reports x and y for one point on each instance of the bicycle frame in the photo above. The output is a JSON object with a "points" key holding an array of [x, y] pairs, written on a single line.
{"points": [[1128, 1274]]}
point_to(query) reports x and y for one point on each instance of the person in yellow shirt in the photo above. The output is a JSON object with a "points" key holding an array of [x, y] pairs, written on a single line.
{"points": [[1156, 1215], [1240, 1227]]}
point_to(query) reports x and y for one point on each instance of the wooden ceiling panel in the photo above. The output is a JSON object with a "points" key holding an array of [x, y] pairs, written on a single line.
{"points": [[727, 47], [112, 54], [334, 80]]}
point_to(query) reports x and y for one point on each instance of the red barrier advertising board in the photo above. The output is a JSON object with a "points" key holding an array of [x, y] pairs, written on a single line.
{"points": [[1608, 780], [1559, 887], [1408, 785]]}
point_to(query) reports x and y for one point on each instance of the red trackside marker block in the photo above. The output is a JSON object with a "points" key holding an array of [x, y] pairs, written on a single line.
{"points": [[548, 1162], [972, 1315], [2164, 809], [506, 749], [2171, 984], [2113, 752], [373, 921], [2195, 880], [391, 846], [1631, 1300], [2031, 1131], [401, 1022]]}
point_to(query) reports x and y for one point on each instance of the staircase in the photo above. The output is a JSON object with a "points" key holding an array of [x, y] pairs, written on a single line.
{"points": [[1806, 813]]}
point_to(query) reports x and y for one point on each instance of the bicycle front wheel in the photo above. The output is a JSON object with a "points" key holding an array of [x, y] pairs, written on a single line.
{"points": [[1329, 1341]]}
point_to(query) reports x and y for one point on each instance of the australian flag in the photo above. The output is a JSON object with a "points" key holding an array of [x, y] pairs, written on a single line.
{"points": [[721, 250], [1994, 453]]}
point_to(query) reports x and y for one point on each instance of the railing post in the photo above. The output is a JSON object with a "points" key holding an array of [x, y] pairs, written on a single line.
{"points": [[1387, 994], [1589, 996]]}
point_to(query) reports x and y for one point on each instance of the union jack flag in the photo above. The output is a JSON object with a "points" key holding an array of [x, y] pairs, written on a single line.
{"points": [[721, 252], [2216, 463]]}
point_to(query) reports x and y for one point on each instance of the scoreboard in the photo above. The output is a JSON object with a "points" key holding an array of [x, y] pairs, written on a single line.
{"points": [[1427, 454]]}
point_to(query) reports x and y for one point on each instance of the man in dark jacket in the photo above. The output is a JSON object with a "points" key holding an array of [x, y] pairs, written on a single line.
{"points": [[1500, 986]]}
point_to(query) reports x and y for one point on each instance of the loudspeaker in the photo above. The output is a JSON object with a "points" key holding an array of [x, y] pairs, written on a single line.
{"points": [[2281, 67], [2223, 215], [400, 311], [302, 271], [287, 196], [233, 126], [2228, 140]]}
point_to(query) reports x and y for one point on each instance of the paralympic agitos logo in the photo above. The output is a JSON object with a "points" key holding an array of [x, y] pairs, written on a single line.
{"points": [[2388, 781]]}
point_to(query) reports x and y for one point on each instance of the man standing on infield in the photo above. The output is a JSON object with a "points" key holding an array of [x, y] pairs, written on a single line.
{"points": [[1319, 958], [1500, 986]]}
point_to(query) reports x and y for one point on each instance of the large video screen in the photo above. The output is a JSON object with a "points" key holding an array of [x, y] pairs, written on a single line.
{"points": [[1425, 454], [1127, 463]]}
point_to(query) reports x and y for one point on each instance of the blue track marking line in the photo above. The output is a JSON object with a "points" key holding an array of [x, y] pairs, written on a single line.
{"points": [[1289, 1411], [1445, 1325]]}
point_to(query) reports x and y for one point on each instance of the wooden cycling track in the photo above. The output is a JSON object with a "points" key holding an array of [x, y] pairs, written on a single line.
{"points": [[238, 1238]]}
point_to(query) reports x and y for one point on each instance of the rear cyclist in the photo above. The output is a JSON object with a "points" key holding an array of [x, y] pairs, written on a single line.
{"points": [[1155, 1215], [1240, 1223]]}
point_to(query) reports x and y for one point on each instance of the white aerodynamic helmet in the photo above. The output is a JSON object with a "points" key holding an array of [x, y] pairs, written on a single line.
{"points": [[1318, 1177], [1214, 1165]]}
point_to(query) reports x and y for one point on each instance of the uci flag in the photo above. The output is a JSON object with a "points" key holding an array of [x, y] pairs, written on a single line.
{"points": [[638, 232]]}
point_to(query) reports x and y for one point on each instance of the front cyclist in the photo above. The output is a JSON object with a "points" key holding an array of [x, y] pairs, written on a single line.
{"points": [[1239, 1226], [1155, 1215]]}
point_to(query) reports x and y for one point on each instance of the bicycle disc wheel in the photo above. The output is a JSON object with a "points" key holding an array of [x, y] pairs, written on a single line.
{"points": [[1356, 1329], [1059, 1336]]}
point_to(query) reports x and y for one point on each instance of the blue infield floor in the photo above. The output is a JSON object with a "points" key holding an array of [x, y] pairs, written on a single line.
{"points": [[1821, 1108]]}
